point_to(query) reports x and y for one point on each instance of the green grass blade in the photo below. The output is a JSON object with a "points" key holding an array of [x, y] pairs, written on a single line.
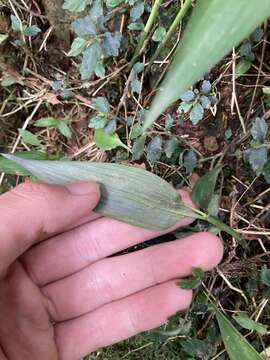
{"points": [[236, 345], [215, 27], [128, 194]]}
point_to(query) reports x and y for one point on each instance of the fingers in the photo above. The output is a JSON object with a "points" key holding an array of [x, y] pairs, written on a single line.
{"points": [[76, 249], [119, 320], [118, 277], [32, 212]]}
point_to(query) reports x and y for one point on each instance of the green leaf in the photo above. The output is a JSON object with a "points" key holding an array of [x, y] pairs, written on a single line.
{"points": [[101, 104], [112, 43], [169, 122], [100, 70], [189, 160], [46, 122], [196, 114], [159, 34], [138, 148], [206, 87], [8, 80], [204, 188], [111, 127], [214, 28], [28, 137], [205, 102], [12, 168], [243, 320], [113, 3], [64, 129], [213, 207], [76, 5], [266, 172], [242, 67], [193, 282], [156, 206], [236, 345], [107, 141], [91, 57], [136, 131], [16, 24], [136, 86], [3, 38], [257, 159], [32, 30], [196, 348], [84, 27], [98, 122], [154, 149], [259, 129], [171, 146], [188, 96], [77, 47], [137, 11]]}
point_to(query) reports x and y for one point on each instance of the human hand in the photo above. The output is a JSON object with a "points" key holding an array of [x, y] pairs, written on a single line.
{"points": [[62, 296]]}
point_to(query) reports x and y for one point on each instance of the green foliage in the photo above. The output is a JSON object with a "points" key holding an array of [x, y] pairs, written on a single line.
{"points": [[51, 122], [106, 141], [3, 38], [195, 102], [257, 154], [193, 282], [159, 34], [22, 28], [28, 137], [244, 320]]}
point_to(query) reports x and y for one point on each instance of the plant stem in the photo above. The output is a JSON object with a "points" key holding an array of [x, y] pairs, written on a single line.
{"points": [[182, 12], [152, 17]]}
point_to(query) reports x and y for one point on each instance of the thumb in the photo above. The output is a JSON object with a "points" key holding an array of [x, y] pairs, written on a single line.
{"points": [[33, 212]]}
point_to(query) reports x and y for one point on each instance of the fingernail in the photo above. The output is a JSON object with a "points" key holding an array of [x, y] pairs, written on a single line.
{"points": [[82, 188]]}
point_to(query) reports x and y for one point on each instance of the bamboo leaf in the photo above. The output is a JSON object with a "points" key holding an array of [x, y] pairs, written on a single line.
{"points": [[236, 345], [156, 206], [215, 27]]}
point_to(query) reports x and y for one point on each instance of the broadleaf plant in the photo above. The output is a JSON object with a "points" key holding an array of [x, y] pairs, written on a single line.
{"points": [[215, 27], [156, 206]]}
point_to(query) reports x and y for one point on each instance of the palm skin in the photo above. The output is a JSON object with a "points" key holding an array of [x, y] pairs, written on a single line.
{"points": [[61, 294]]}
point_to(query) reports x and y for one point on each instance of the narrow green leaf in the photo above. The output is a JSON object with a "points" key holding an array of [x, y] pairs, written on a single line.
{"points": [[215, 27], [46, 122], [28, 137], [156, 206], [204, 188], [107, 141], [64, 129], [243, 320], [236, 345]]}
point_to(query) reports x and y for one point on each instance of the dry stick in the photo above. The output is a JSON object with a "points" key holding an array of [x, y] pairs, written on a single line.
{"points": [[182, 12], [145, 32]]}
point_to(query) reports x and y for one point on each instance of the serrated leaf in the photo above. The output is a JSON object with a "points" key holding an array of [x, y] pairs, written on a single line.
{"points": [[243, 320], [64, 129], [136, 131], [107, 141], [91, 57], [77, 47], [46, 122], [97, 122], [242, 68], [188, 96], [101, 104], [219, 28], [196, 114], [204, 188], [189, 160], [171, 146], [159, 34], [154, 149], [206, 87], [32, 30], [112, 43], [185, 107], [137, 11], [257, 159], [76, 5], [259, 129], [28, 137], [84, 27], [236, 345], [205, 102], [16, 24], [138, 148], [155, 206], [3, 38]]}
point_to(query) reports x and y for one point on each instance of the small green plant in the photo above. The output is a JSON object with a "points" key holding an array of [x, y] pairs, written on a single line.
{"points": [[51, 122], [20, 27], [195, 102]]}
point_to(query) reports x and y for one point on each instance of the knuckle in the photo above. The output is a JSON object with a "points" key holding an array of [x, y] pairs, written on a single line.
{"points": [[28, 190]]}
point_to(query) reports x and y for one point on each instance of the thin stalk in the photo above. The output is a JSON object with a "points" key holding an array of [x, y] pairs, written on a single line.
{"points": [[181, 14], [152, 17]]}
